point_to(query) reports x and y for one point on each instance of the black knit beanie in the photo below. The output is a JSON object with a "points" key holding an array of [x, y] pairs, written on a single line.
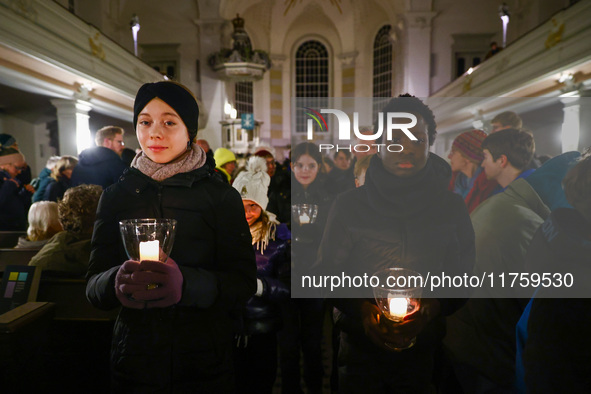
{"points": [[173, 94]]}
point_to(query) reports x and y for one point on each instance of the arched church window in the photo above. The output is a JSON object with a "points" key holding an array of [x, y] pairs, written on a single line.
{"points": [[311, 75], [243, 97], [382, 63]]}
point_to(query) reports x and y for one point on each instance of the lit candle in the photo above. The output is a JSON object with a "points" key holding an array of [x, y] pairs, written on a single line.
{"points": [[398, 307], [304, 218], [150, 250]]}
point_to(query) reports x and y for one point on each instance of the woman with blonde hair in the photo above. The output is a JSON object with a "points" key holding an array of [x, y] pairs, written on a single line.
{"points": [[255, 353], [43, 224], [61, 175], [69, 250]]}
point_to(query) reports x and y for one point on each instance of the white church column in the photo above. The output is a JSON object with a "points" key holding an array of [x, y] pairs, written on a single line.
{"points": [[418, 52], [72, 122], [585, 119], [571, 124], [212, 88]]}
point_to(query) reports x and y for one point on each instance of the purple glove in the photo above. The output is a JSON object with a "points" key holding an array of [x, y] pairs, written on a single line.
{"points": [[162, 283], [125, 286]]}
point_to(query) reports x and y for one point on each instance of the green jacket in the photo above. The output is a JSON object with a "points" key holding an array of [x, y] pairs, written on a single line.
{"points": [[504, 227], [482, 333], [65, 252]]}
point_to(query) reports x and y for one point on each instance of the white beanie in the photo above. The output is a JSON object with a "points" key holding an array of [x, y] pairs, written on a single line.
{"points": [[253, 183]]}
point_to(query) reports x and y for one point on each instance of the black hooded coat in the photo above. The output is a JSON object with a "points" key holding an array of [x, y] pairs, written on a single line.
{"points": [[186, 347]]}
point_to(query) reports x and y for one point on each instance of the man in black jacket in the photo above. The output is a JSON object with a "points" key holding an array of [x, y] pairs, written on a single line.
{"points": [[341, 178], [102, 164], [280, 187], [402, 217], [556, 353]]}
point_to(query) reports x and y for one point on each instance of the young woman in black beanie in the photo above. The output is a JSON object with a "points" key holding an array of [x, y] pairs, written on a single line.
{"points": [[178, 336], [304, 317]]}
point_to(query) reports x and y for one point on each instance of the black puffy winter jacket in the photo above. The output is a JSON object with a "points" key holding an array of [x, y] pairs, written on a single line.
{"points": [[392, 222], [263, 313], [176, 348]]}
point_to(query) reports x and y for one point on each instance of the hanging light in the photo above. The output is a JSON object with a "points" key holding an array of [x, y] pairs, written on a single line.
{"points": [[135, 27], [504, 14]]}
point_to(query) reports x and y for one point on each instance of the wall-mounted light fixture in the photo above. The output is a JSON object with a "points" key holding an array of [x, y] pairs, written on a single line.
{"points": [[504, 15], [135, 27]]}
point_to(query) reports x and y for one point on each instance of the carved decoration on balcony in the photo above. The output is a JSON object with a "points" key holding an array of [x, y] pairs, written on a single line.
{"points": [[96, 47], [467, 84], [240, 63], [555, 35], [82, 91]]}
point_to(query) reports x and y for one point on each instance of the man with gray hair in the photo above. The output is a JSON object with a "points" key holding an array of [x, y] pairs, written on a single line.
{"points": [[101, 165]]}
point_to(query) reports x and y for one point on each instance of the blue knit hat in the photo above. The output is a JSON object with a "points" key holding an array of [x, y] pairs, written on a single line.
{"points": [[547, 180], [6, 140]]}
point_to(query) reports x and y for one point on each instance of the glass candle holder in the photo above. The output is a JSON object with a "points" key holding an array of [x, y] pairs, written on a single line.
{"points": [[303, 214], [398, 295], [148, 239]]}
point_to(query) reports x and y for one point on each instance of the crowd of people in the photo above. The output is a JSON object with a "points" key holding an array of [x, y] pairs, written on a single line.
{"points": [[218, 315]]}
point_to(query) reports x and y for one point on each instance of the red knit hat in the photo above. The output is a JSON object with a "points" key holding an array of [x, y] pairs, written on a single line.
{"points": [[264, 151], [469, 144]]}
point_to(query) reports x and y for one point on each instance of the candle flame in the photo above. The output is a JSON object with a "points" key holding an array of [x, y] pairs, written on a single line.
{"points": [[398, 307], [150, 250]]}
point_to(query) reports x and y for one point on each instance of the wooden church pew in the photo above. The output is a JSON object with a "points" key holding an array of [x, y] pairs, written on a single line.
{"points": [[15, 257], [9, 239]]}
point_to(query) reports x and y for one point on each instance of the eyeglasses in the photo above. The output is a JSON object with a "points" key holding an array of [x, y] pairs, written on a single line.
{"points": [[120, 142], [309, 167], [19, 168]]}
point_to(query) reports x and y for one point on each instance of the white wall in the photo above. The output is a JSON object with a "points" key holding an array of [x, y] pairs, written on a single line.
{"points": [[28, 136], [457, 17]]}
